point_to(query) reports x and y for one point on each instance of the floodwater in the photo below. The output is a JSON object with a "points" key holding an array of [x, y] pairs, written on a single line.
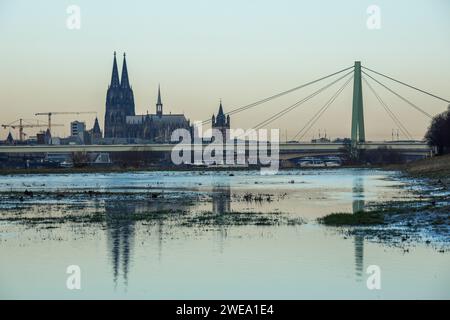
{"points": [[174, 257]]}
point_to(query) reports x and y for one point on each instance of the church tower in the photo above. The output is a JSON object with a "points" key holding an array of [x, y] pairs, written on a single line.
{"points": [[119, 102], [221, 122], [159, 105], [9, 140], [96, 132]]}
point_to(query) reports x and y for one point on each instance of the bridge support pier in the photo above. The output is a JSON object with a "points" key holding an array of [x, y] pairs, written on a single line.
{"points": [[358, 131]]}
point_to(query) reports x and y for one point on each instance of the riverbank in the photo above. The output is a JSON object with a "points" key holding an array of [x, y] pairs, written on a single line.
{"points": [[180, 168], [114, 169], [437, 167], [423, 219]]}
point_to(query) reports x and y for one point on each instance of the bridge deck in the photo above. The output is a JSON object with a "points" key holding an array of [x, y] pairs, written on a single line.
{"points": [[283, 147]]}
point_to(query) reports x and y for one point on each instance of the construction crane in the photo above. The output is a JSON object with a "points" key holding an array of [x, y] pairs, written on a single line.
{"points": [[50, 114], [21, 125]]}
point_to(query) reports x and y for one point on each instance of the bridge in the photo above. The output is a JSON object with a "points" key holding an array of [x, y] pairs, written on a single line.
{"points": [[287, 150], [358, 73]]}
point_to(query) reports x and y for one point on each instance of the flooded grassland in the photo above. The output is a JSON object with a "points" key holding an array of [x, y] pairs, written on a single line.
{"points": [[228, 234]]}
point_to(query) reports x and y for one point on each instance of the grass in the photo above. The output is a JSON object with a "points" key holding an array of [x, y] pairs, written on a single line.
{"points": [[236, 218], [355, 219], [437, 167], [380, 212], [175, 216]]}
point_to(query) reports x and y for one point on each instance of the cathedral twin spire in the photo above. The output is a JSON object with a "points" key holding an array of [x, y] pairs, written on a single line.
{"points": [[124, 82], [115, 74]]}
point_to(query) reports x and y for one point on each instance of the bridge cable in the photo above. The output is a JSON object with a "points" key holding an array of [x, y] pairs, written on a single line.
{"points": [[254, 104], [401, 97], [389, 112], [298, 103], [321, 111], [410, 86]]}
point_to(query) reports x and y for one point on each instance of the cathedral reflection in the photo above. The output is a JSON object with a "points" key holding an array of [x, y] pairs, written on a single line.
{"points": [[358, 206], [120, 235], [120, 230]]}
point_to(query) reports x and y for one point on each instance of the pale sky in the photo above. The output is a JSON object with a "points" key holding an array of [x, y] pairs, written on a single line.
{"points": [[238, 51]]}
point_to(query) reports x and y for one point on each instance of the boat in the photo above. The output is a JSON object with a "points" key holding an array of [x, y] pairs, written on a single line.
{"points": [[66, 164], [312, 163], [329, 162], [333, 161], [332, 164]]}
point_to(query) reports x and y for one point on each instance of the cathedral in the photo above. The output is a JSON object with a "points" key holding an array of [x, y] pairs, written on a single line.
{"points": [[122, 125]]}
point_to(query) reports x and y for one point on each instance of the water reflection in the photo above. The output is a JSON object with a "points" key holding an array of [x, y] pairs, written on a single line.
{"points": [[221, 204], [120, 235], [221, 199], [120, 229], [358, 206]]}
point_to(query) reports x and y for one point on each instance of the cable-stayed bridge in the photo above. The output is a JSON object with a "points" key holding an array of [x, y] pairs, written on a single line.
{"points": [[359, 74], [287, 150]]}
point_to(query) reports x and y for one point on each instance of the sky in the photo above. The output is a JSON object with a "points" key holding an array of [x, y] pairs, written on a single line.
{"points": [[239, 51]]}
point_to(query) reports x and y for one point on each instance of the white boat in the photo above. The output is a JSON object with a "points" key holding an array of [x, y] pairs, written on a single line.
{"points": [[312, 163], [66, 164], [333, 161], [332, 164], [224, 165]]}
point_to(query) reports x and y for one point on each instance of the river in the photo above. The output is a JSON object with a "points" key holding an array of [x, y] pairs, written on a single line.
{"points": [[286, 255]]}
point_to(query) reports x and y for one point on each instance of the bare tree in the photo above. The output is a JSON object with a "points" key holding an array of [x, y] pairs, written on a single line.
{"points": [[438, 134], [80, 159]]}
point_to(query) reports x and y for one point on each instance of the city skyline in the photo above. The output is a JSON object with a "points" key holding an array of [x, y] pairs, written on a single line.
{"points": [[239, 56]]}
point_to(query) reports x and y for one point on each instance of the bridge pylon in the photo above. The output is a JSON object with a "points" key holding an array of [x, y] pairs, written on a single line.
{"points": [[358, 132]]}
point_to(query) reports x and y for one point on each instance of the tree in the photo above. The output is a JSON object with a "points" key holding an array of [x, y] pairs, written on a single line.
{"points": [[438, 134], [347, 151], [382, 155], [80, 159]]}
